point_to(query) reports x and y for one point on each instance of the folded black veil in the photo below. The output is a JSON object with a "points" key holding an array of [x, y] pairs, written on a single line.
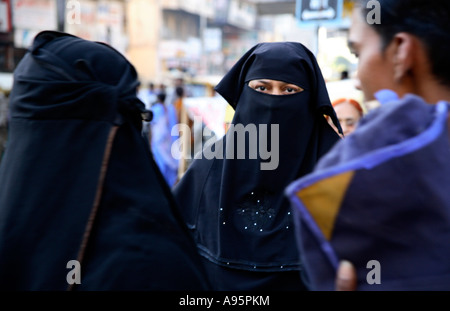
{"points": [[78, 182]]}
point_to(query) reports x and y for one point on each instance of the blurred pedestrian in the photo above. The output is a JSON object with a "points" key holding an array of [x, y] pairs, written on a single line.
{"points": [[177, 90], [349, 112], [148, 95], [162, 141], [234, 201], [376, 210], [344, 75], [82, 204]]}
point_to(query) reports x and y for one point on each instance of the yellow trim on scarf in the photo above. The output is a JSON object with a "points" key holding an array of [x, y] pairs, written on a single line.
{"points": [[323, 200]]}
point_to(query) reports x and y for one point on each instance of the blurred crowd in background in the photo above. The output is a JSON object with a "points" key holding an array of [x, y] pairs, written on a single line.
{"points": [[185, 45]]}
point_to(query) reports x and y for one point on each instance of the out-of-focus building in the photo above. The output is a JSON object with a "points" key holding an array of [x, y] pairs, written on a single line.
{"points": [[21, 20], [191, 38], [103, 21], [197, 40]]}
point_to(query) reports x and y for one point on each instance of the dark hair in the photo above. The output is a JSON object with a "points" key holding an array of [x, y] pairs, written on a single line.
{"points": [[161, 97], [179, 90], [427, 20]]}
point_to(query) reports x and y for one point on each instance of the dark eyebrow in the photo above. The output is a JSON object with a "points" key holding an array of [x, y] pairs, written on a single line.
{"points": [[262, 81]]}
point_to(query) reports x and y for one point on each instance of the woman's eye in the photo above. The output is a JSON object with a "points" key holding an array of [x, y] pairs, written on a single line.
{"points": [[292, 90], [260, 88]]}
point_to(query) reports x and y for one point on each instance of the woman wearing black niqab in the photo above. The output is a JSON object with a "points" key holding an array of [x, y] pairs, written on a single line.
{"points": [[82, 203], [236, 207]]}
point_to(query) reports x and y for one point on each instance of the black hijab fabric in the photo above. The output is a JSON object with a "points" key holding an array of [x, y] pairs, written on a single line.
{"points": [[236, 207], [77, 180]]}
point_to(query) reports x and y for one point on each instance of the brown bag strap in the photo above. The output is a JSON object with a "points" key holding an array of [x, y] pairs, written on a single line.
{"points": [[98, 195]]}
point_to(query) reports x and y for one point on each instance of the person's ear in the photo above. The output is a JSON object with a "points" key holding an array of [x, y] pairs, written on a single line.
{"points": [[403, 58]]}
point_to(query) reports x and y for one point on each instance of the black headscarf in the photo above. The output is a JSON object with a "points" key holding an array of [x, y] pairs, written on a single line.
{"points": [[77, 180], [236, 207]]}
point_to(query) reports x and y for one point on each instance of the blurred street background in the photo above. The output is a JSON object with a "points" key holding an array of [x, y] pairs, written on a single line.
{"points": [[193, 41]]}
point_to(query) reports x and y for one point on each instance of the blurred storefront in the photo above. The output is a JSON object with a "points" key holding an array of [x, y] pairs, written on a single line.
{"points": [[197, 40], [195, 37], [102, 21]]}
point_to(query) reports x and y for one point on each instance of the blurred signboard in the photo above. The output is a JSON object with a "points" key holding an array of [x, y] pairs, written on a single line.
{"points": [[31, 17], [242, 14], [197, 7], [98, 21], [318, 12], [5, 16], [32, 14], [211, 109]]}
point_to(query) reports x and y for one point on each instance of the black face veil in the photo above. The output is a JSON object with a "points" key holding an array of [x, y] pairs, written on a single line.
{"points": [[235, 203], [78, 183]]}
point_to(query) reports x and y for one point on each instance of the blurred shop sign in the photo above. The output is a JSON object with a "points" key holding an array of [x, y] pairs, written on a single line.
{"points": [[212, 40], [318, 12], [31, 17], [211, 109], [5, 16], [102, 21], [242, 14]]}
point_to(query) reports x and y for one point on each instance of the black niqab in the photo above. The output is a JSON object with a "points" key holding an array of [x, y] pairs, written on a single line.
{"points": [[237, 210], [77, 180]]}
